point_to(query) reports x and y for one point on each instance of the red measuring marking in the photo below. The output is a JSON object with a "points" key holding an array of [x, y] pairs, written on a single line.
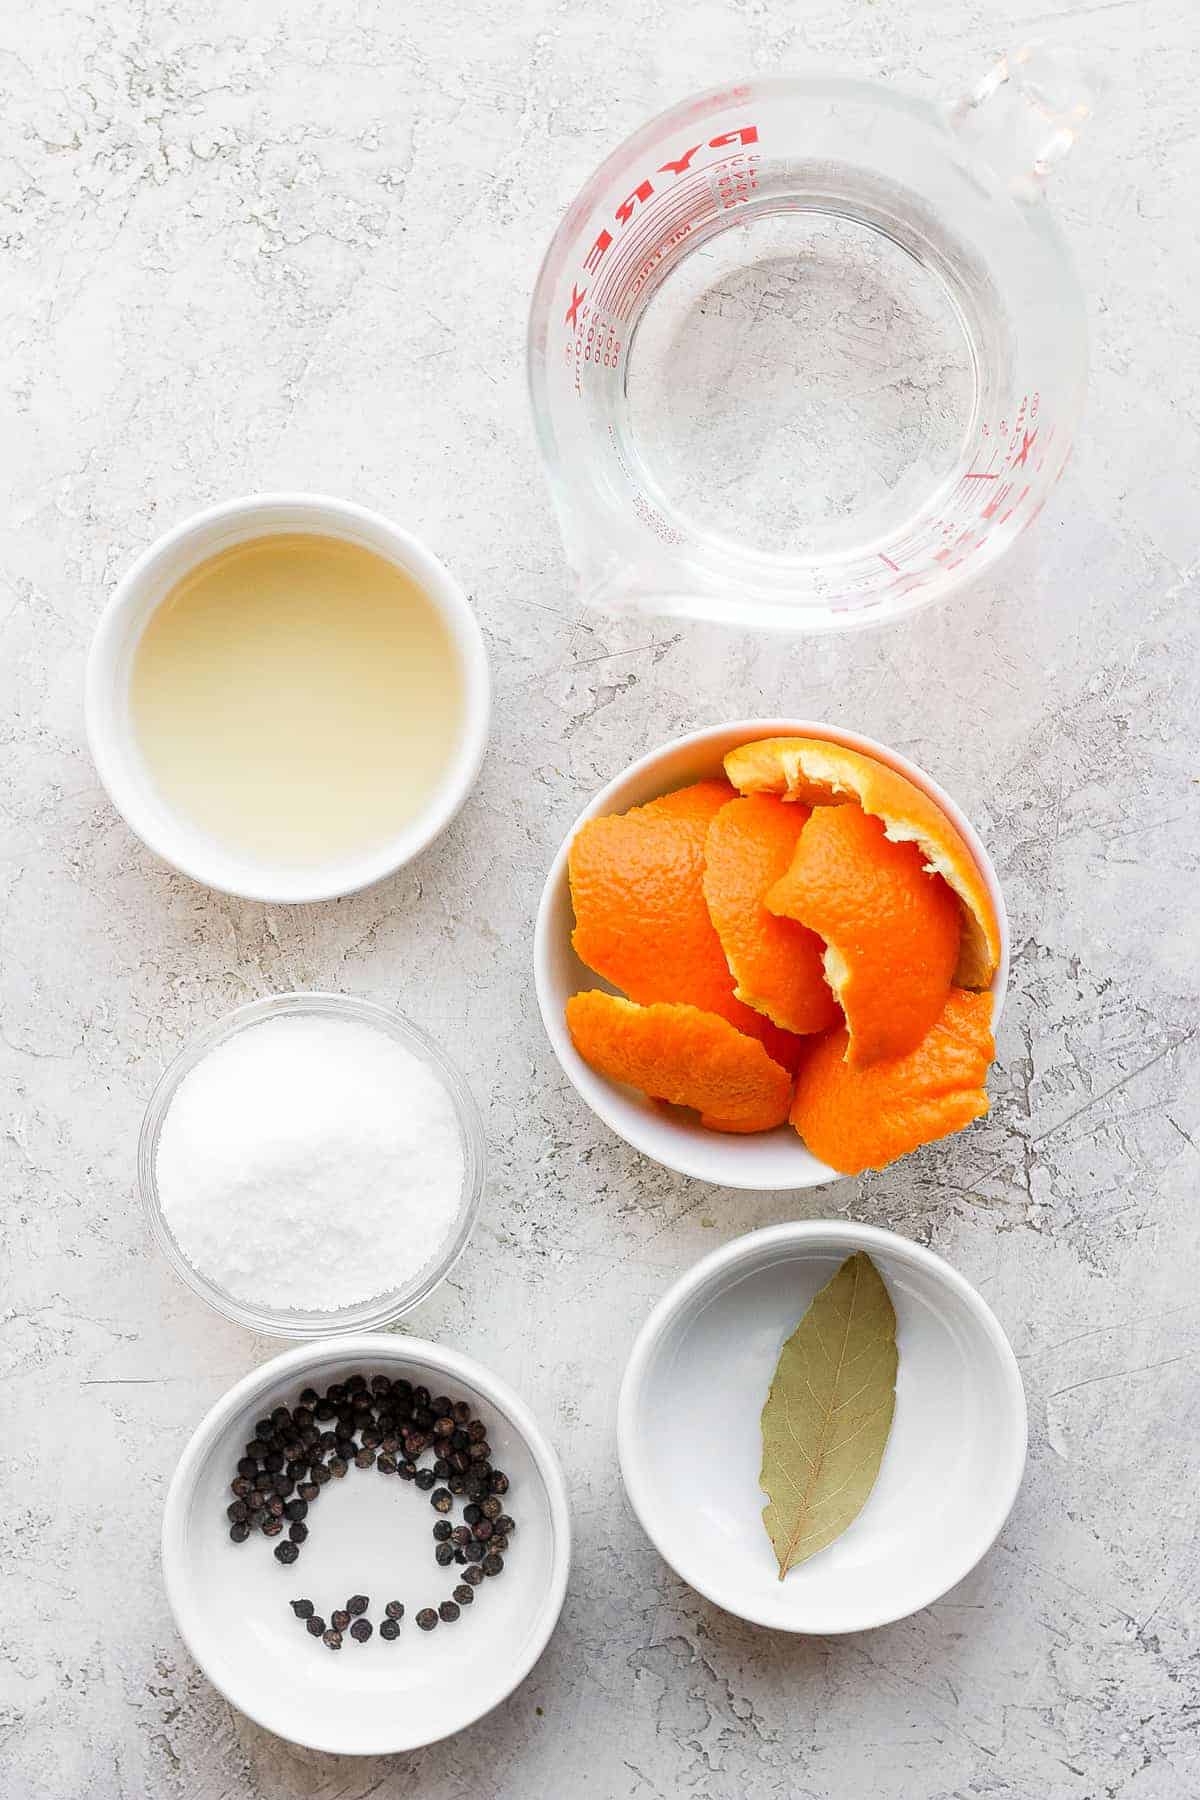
{"points": [[1028, 441], [889, 562], [642, 240], [577, 300], [978, 475]]}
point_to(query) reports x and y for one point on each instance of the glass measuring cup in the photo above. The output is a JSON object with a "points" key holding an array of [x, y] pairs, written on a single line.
{"points": [[808, 352]]}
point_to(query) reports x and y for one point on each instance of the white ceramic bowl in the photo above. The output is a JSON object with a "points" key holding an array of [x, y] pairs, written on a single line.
{"points": [[371, 1534], [119, 762], [765, 1161], [392, 1302], [690, 1446]]}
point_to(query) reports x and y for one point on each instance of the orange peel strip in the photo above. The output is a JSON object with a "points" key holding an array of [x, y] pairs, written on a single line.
{"points": [[856, 1119], [820, 772], [683, 1055]]}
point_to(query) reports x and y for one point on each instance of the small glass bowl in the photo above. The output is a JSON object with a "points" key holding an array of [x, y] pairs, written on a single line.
{"points": [[366, 1315]]}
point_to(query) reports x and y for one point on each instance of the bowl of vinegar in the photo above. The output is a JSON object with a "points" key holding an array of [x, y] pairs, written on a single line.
{"points": [[287, 697]]}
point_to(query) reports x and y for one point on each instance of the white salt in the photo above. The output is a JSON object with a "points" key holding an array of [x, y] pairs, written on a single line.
{"points": [[310, 1163]]}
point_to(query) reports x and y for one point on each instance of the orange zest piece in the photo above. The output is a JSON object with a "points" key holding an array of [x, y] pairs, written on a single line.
{"points": [[855, 1119], [821, 773], [890, 929], [683, 1055], [640, 916], [775, 962]]}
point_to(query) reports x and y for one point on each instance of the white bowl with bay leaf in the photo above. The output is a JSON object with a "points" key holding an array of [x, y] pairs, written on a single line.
{"points": [[822, 1427]]}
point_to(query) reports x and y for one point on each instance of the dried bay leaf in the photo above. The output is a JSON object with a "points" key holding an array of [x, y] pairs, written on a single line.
{"points": [[826, 1421]]}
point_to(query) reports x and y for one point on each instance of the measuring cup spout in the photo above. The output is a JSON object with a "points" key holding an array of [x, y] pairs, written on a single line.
{"points": [[1026, 114]]}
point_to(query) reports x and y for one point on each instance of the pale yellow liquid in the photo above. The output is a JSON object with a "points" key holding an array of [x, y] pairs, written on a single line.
{"points": [[297, 697]]}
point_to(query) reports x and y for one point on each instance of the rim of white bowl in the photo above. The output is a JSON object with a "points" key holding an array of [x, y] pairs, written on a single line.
{"points": [[592, 1088], [842, 1234], [385, 1347], [362, 1315], [105, 695]]}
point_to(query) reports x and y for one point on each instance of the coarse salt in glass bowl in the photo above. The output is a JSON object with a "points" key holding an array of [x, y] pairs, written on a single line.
{"points": [[388, 1305]]}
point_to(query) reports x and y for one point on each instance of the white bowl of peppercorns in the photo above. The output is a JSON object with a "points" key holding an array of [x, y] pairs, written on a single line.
{"points": [[366, 1544]]}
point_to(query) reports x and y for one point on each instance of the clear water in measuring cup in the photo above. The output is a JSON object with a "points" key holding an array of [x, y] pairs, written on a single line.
{"points": [[800, 378], [806, 352]]}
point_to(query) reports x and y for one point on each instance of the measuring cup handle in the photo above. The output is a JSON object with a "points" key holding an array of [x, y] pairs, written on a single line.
{"points": [[1026, 113]]}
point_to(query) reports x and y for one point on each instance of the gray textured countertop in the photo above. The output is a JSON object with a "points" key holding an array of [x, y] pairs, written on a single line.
{"points": [[291, 246]]}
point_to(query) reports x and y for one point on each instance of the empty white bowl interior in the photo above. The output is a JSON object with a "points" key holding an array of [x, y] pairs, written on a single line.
{"points": [[370, 1534], [690, 1438], [764, 1161], [114, 744]]}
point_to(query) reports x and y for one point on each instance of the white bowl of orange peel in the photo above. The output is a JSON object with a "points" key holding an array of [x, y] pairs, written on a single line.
{"points": [[773, 953]]}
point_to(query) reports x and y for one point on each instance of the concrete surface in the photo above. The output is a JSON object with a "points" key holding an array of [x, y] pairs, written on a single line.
{"points": [[290, 245]]}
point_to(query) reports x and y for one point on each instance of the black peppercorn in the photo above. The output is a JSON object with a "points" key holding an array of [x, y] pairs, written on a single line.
{"points": [[309, 1396], [248, 1466], [361, 1630], [335, 1393], [323, 1472], [327, 1442], [281, 1416], [333, 1639], [505, 1524], [241, 1485], [472, 1513], [308, 1491], [491, 1508], [297, 1469], [459, 1462], [391, 1444], [499, 1482], [287, 1552], [448, 1611], [441, 1468], [356, 1383], [273, 1461], [296, 1509], [340, 1619], [473, 1552], [406, 1470], [394, 1609], [236, 1511], [345, 1446], [325, 1410], [462, 1411], [365, 1459], [483, 1531], [456, 1484], [445, 1555], [463, 1594], [316, 1625], [298, 1533], [389, 1629], [386, 1464], [357, 1605], [460, 1535], [493, 1563], [271, 1527], [239, 1531], [441, 1500], [472, 1574], [443, 1426], [442, 1530], [499, 1542], [459, 1557], [479, 1453], [303, 1609], [476, 1431], [380, 1386], [427, 1618], [425, 1479]]}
